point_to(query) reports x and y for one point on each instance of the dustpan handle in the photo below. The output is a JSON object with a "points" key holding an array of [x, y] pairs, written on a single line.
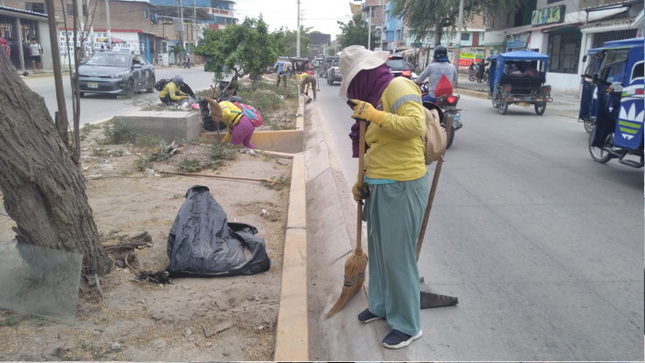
{"points": [[361, 176]]}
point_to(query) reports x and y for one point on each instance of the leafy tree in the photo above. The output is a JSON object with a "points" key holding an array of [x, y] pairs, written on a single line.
{"points": [[247, 48], [428, 17], [355, 32], [288, 42]]}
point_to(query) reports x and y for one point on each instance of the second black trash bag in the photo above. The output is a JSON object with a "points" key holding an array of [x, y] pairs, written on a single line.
{"points": [[202, 242]]}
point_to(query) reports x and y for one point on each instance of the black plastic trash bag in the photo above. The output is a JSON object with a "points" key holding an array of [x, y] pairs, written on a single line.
{"points": [[202, 243]]}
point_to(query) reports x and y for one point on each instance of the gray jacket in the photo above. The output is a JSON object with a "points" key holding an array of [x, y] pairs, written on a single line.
{"points": [[434, 71]]}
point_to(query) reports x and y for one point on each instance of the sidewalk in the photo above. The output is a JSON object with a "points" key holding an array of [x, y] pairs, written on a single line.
{"points": [[563, 104]]}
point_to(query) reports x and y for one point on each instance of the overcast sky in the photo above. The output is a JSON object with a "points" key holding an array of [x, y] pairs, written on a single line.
{"points": [[320, 15]]}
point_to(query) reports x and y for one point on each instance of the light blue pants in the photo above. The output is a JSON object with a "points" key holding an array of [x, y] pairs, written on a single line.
{"points": [[394, 213]]}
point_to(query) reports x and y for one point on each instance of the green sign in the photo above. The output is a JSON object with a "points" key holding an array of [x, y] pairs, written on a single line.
{"points": [[550, 15]]}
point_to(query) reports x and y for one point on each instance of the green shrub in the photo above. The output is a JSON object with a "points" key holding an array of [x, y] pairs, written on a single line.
{"points": [[220, 153], [190, 165], [118, 133]]}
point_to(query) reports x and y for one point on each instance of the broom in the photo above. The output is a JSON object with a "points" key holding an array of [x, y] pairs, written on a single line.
{"points": [[357, 262]]}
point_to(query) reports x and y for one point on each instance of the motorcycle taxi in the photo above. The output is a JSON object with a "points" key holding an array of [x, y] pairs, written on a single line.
{"points": [[519, 78], [615, 99]]}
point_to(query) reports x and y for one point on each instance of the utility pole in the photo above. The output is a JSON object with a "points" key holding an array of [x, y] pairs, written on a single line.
{"points": [[195, 22], [107, 22], [181, 23], [298, 34], [382, 23], [460, 25], [369, 32]]}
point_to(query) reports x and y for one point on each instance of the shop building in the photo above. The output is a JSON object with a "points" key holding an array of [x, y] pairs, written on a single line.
{"points": [[18, 26]]}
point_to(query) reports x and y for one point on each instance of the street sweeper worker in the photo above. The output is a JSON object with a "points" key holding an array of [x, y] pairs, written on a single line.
{"points": [[171, 91], [395, 190], [240, 128], [308, 81]]}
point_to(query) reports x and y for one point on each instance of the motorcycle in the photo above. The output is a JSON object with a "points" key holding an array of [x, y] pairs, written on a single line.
{"points": [[187, 62], [448, 104], [472, 72]]}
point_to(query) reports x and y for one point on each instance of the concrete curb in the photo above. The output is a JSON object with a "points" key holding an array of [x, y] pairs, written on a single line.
{"points": [[292, 330], [470, 92]]}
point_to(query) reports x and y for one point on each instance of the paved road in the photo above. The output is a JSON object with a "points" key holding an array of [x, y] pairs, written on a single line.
{"points": [[99, 107], [542, 245]]}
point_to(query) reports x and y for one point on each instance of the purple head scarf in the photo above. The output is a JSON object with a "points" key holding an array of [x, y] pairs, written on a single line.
{"points": [[368, 85]]}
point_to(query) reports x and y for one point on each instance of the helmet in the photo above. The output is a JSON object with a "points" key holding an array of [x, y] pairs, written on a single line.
{"points": [[178, 79], [440, 52]]}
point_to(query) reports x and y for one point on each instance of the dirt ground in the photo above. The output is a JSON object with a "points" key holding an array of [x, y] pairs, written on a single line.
{"points": [[191, 319]]}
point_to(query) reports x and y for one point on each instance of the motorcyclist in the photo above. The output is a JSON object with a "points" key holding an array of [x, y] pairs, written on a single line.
{"points": [[434, 71], [481, 69], [171, 91]]}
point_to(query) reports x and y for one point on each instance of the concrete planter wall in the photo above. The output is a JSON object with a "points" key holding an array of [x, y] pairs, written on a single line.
{"points": [[166, 124]]}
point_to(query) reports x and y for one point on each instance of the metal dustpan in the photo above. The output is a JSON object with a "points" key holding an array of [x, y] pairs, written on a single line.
{"points": [[431, 299]]}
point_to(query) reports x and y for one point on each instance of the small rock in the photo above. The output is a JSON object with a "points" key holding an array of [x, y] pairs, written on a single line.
{"points": [[160, 343], [223, 326], [283, 161], [207, 332], [188, 333], [120, 263], [209, 344], [115, 347], [149, 171], [157, 315], [264, 213], [94, 176], [225, 353]]}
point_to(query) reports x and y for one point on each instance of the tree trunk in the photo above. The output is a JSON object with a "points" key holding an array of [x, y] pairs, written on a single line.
{"points": [[44, 192], [438, 33]]}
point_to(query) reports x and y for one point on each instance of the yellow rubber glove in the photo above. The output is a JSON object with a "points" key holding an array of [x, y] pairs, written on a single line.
{"points": [[366, 111], [360, 194]]}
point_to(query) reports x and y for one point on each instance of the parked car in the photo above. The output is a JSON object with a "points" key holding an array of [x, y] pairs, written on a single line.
{"points": [[333, 74], [116, 73], [399, 67], [318, 60], [322, 70]]}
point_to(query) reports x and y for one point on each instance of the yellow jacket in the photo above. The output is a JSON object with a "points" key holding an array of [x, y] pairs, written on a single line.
{"points": [[173, 91], [396, 150], [231, 115]]}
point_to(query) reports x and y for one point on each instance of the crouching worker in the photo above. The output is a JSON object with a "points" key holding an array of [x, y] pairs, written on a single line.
{"points": [[240, 128], [308, 81], [171, 91]]}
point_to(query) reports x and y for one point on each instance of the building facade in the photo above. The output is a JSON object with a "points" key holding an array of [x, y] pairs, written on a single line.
{"points": [[565, 30], [18, 26]]}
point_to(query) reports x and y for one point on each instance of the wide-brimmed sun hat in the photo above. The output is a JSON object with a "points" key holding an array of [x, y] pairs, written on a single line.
{"points": [[356, 58]]}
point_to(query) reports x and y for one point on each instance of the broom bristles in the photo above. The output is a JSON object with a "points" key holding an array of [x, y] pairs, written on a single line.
{"points": [[354, 279]]}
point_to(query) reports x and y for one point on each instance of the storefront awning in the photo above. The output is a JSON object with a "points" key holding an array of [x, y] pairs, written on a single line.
{"points": [[552, 27], [22, 14]]}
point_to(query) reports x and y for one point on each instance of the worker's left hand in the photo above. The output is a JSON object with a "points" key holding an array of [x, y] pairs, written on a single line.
{"points": [[365, 110], [360, 193]]}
